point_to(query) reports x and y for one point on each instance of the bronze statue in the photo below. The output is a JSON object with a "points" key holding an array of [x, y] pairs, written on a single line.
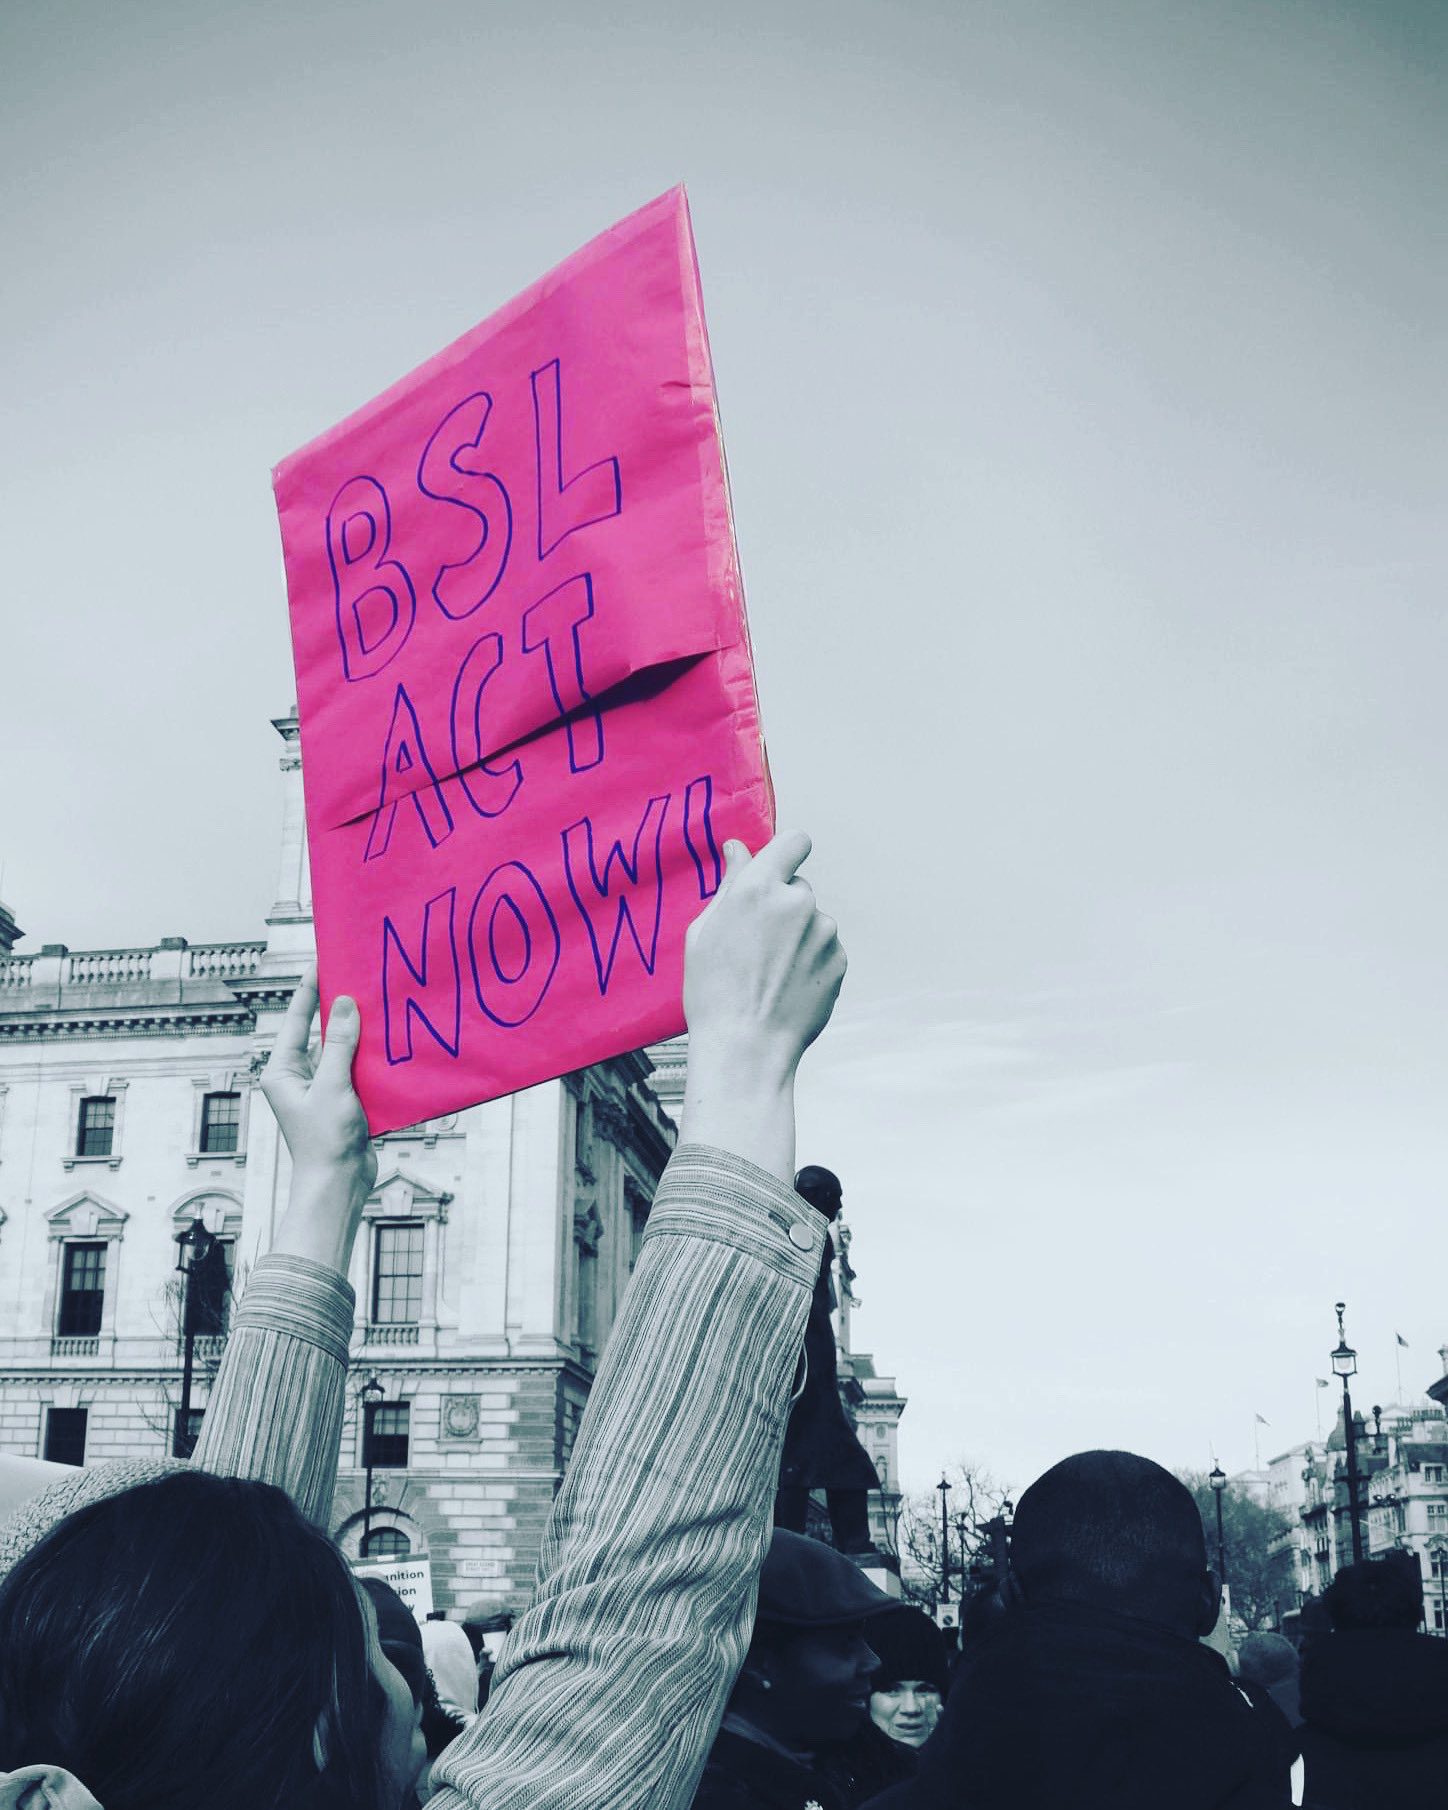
{"points": [[821, 1450]]}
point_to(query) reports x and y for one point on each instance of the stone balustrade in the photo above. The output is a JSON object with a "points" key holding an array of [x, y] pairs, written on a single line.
{"points": [[126, 967], [75, 1347], [224, 961], [105, 967], [376, 1334]]}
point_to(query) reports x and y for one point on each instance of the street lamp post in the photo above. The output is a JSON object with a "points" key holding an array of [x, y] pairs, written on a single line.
{"points": [[1344, 1364], [372, 1393], [194, 1248], [962, 1524], [1217, 1477], [944, 1487], [1000, 1539]]}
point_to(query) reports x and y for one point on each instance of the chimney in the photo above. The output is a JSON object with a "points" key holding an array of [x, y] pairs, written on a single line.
{"points": [[10, 931]]}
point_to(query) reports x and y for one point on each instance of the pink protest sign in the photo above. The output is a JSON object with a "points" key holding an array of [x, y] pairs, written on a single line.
{"points": [[527, 703]]}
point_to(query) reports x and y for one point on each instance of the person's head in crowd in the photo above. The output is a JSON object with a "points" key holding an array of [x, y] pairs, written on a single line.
{"points": [[805, 1681], [398, 1634], [1377, 1593], [822, 1188], [910, 1687], [195, 1640], [454, 1671], [1112, 1531], [1271, 1662], [405, 1644]]}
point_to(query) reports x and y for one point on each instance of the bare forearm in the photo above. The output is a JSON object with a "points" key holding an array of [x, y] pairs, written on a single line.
{"points": [[324, 1210], [742, 1100]]}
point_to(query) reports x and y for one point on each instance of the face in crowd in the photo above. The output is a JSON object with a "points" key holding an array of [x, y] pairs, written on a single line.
{"points": [[816, 1682], [403, 1751], [906, 1709]]}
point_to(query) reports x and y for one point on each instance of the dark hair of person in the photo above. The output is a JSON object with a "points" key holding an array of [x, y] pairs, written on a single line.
{"points": [[1377, 1593], [193, 1640], [1114, 1531]]}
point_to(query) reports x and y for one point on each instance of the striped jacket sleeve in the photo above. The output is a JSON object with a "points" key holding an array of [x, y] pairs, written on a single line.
{"points": [[276, 1407], [609, 1690]]}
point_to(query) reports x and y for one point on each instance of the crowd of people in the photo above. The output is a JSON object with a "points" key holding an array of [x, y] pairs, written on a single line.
{"points": [[188, 1635]]}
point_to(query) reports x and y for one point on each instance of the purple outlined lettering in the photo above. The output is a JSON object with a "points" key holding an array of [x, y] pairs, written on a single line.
{"points": [[699, 834], [373, 595], [428, 989], [449, 472], [513, 944], [553, 624], [592, 495], [403, 754], [489, 790], [621, 890]]}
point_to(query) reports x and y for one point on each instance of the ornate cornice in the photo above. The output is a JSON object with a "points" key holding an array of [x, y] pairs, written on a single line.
{"points": [[202, 1020]]}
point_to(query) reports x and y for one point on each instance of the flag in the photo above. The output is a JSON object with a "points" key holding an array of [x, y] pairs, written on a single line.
{"points": [[1261, 1420], [1401, 1340], [1323, 1383]]}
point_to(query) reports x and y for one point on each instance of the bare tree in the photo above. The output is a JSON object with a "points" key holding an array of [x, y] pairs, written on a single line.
{"points": [[167, 1309], [975, 1500], [1258, 1562]]}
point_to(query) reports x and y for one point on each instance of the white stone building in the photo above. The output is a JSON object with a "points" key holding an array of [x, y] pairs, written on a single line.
{"points": [[1402, 1466], [496, 1244]]}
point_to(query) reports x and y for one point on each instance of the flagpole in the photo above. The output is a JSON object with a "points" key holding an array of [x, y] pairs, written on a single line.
{"points": [[1257, 1442], [1317, 1403], [1398, 1361]]}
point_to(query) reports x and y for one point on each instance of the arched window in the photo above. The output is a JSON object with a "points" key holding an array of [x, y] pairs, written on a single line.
{"points": [[386, 1543]]}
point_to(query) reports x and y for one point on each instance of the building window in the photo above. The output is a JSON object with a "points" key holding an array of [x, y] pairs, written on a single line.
{"points": [[96, 1129], [65, 1435], [1438, 1511], [1432, 1473], [220, 1124], [82, 1291], [385, 1435], [397, 1276], [387, 1543], [184, 1439]]}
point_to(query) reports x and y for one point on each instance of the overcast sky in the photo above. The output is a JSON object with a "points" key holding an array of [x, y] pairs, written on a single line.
{"points": [[1082, 369]]}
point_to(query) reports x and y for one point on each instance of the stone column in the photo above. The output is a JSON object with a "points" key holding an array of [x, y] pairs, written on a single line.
{"points": [[289, 922]]}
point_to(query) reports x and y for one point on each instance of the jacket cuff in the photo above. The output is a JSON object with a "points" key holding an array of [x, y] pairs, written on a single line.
{"points": [[303, 1300], [710, 1193]]}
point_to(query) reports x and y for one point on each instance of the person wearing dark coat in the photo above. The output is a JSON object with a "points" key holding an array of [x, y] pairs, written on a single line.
{"points": [[797, 1730], [1092, 1689], [1375, 1694], [821, 1450]]}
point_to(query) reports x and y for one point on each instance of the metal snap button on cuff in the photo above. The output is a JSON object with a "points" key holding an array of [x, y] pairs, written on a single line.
{"points": [[799, 1236]]}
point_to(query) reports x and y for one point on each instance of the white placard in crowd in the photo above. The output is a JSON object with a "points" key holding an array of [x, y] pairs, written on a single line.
{"points": [[410, 1578]]}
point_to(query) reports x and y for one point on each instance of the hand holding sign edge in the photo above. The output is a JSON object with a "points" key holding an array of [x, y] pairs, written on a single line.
{"points": [[763, 967]]}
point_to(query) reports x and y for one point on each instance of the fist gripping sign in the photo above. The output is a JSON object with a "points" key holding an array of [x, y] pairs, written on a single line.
{"points": [[528, 711]]}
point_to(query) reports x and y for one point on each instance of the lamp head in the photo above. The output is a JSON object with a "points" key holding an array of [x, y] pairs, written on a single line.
{"points": [[1344, 1359], [191, 1246], [1217, 1477]]}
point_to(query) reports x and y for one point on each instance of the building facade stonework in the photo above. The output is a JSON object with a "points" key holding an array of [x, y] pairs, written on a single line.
{"points": [[495, 1248]]}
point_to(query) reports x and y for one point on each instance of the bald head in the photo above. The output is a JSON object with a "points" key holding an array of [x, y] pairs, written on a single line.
{"points": [[821, 1188], [1114, 1531]]}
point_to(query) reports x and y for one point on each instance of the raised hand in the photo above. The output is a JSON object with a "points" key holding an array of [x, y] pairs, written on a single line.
{"points": [[762, 970], [321, 1118]]}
